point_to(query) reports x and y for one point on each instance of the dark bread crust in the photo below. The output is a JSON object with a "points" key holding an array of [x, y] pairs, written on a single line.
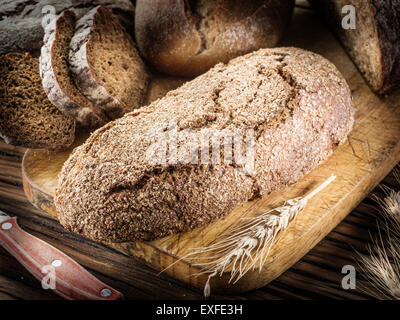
{"points": [[384, 18], [387, 16], [187, 38], [296, 102]]}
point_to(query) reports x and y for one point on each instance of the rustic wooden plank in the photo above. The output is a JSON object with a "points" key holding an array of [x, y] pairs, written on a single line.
{"points": [[5, 296], [12, 151], [327, 256]]}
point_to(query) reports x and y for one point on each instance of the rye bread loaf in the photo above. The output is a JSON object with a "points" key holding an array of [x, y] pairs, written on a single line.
{"points": [[374, 45], [28, 118], [107, 67], [57, 80], [295, 104], [186, 38], [21, 21]]}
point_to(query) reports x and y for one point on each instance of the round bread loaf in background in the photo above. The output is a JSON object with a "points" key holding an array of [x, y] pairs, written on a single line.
{"points": [[187, 38]]}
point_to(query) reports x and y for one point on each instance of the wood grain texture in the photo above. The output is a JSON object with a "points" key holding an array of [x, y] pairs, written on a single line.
{"points": [[317, 275], [372, 150]]}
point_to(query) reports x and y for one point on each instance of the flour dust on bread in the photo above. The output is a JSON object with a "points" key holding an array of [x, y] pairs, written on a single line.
{"points": [[186, 38], [296, 103], [21, 21], [57, 79], [28, 118], [106, 65], [374, 44]]}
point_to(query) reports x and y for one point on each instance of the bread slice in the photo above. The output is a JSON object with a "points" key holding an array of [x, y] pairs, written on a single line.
{"points": [[374, 44], [21, 21], [126, 183], [57, 80], [107, 67], [28, 118]]}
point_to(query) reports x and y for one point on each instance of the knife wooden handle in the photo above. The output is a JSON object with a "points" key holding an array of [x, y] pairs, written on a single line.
{"points": [[52, 267]]}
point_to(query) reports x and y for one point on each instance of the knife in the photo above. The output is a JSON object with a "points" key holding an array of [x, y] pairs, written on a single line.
{"points": [[49, 265]]}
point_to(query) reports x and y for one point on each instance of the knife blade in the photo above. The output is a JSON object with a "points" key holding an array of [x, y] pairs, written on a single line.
{"points": [[52, 267]]}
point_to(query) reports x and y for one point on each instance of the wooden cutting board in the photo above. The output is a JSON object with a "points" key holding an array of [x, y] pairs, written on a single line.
{"points": [[372, 150]]}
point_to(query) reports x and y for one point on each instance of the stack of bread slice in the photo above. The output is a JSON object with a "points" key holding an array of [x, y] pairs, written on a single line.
{"points": [[58, 82], [91, 73], [21, 21]]}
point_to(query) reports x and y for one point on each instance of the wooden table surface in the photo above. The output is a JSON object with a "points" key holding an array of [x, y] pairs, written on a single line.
{"points": [[317, 275]]}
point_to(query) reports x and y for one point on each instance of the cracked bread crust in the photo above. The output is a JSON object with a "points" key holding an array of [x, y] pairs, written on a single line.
{"points": [[54, 71], [101, 91], [297, 103], [187, 38]]}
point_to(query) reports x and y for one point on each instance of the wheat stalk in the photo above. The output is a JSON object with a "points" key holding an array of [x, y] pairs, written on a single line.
{"points": [[247, 245], [381, 266], [390, 205]]}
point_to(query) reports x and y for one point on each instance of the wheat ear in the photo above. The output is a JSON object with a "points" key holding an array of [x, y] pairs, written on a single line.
{"points": [[390, 205], [381, 266], [247, 245]]}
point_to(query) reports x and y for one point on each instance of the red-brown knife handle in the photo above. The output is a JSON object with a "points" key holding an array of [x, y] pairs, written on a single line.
{"points": [[72, 281]]}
